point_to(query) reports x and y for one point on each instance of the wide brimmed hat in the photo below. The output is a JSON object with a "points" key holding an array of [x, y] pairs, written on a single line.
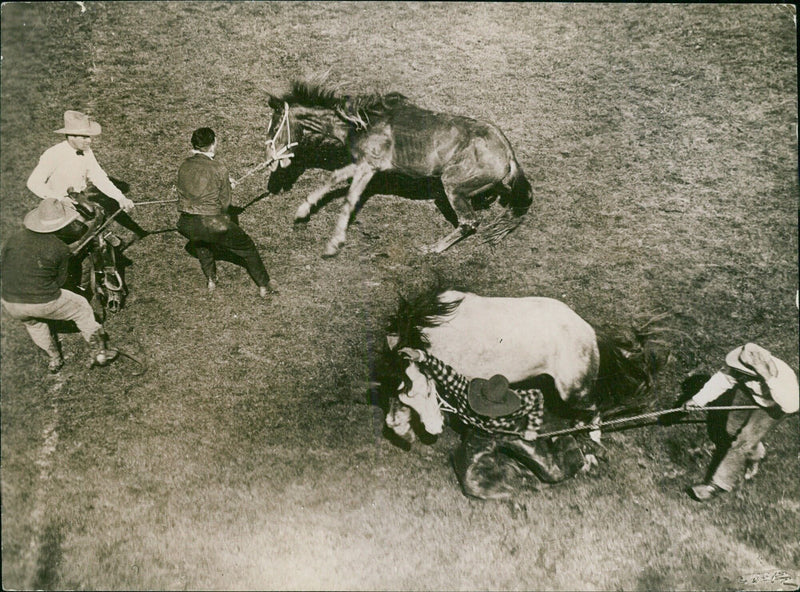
{"points": [[79, 124], [783, 386], [492, 397], [51, 215]]}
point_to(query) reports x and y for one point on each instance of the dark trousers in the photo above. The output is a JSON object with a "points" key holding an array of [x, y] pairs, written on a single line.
{"points": [[209, 233], [111, 205]]}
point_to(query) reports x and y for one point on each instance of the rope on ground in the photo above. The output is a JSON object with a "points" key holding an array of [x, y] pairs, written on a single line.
{"points": [[123, 354]]}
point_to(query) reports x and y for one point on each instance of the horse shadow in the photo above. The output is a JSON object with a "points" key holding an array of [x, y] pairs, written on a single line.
{"points": [[383, 183]]}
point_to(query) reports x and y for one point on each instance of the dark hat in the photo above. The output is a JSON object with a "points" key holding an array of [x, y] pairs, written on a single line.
{"points": [[492, 397], [51, 215]]}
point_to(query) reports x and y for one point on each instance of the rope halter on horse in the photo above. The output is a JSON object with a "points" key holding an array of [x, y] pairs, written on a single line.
{"points": [[283, 153]]}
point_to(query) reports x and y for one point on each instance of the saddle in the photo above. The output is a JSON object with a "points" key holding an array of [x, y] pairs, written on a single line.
{"points": [[106, 280]]}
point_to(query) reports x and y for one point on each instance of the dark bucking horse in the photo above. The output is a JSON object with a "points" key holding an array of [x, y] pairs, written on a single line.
{"points": [[387, 133]]}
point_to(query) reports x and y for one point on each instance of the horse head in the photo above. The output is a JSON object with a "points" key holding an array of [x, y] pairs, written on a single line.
{"points": [[285, 135], [294, 123], [419, 393]]}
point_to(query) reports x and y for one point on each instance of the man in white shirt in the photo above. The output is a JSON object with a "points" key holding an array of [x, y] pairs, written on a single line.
{"points": [[760, 378], [70, 169]]}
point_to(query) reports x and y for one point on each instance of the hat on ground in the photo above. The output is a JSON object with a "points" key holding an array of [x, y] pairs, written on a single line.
{"points": [[51, 215], [492, 397], [783, 385], [79, 124]]}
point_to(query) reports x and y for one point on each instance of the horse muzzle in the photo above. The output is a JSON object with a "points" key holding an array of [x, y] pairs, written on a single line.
{"points": [[279, 163]]}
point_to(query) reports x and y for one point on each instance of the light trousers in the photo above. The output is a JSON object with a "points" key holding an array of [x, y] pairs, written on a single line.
{"points": [[67, 307], [745, 430]]}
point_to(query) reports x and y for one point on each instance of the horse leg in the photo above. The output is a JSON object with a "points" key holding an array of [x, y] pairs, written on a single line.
{"points": [[459, 191], [467, 222], [338, 176], [361, 176]]}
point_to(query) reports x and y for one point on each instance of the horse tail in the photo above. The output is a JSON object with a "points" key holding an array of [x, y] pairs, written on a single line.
{"points": [[517, 199], [520, 197], [630, 358]]}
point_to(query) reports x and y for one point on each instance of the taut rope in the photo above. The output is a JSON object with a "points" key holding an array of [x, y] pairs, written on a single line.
{"points": [[602, 424]]}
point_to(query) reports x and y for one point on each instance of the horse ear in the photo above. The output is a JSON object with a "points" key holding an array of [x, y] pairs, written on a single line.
{"points": [[274, 102]]}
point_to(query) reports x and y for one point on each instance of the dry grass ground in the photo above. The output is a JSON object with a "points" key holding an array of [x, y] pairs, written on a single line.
{"points": [[661, 144]]}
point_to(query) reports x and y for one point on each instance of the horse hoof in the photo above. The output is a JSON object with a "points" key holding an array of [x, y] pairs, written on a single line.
{"points": [[302, 214], [330, 252]]}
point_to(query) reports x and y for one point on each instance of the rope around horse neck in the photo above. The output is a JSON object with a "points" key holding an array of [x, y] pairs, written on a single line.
{"points": [[603, 424]]}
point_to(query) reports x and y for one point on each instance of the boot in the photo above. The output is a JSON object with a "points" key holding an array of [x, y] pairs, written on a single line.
{"points": [[100, 353], [56, 361], [270, 288], [53, 350], [705, 491]]}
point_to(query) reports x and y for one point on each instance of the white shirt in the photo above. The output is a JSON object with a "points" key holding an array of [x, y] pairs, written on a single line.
{"points": [[61, 169], [784, 387]]}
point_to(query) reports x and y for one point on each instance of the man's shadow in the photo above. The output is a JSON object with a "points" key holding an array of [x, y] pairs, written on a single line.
{"points": [[220, 253]]}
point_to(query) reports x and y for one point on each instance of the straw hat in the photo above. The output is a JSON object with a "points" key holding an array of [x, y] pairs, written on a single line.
{"points": [[783, 380], [79, 124], [492, 397], [51, 215]]}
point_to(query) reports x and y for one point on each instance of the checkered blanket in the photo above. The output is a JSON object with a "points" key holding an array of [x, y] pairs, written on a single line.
{"points": [[525, 421]]}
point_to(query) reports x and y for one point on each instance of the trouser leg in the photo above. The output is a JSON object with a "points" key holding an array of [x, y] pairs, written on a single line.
{"points": [[72, 307], [746, 430], [208, 263], [41, 335], [200, 241], [240, 244], [67, 307], [33, 318], [111, 205]]}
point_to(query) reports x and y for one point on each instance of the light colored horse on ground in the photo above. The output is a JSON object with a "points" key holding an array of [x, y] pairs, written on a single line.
{"points": [[520, 338]]}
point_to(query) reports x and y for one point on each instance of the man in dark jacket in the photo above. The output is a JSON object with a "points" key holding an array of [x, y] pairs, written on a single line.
{"points": [[34, 267], [204, 196]]}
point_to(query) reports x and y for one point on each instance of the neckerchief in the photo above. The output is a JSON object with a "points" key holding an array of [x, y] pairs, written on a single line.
{"points": [[524, 422]]}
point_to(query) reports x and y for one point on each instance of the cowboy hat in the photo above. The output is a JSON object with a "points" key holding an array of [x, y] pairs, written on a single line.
{"points": [[79, 124], [51, 215], [783, 382], [492, 397]]}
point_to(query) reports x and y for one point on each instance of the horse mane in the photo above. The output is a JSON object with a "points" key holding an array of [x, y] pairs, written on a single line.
{"points": [[417, 313], [357, 110]]}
